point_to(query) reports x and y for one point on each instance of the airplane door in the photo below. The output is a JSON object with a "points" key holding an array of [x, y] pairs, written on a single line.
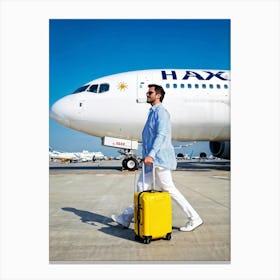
{"points": [[142, 87]]}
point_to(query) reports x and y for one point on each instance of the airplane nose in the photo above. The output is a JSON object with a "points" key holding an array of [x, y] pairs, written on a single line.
{"points": [[61, 110]]}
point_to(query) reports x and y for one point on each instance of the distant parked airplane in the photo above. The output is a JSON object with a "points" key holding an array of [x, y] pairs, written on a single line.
{"points": [[75, 157]]}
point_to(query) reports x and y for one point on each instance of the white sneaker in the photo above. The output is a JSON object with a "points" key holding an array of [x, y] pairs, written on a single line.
{"points": [[192, 224], [120, 220]]}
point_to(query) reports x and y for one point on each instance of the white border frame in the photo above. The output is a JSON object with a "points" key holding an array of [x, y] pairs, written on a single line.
{"points": [[255, 137]]}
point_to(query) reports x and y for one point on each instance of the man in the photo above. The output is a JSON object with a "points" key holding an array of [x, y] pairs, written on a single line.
{"points": [[157, 149]]}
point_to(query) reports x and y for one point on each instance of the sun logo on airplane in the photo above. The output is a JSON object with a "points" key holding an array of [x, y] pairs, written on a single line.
{"points": [[122, 86]]}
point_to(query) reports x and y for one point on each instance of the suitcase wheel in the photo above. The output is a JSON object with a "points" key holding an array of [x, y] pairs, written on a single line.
{"points": [[147, 240], [168, 236], [137, 237]]}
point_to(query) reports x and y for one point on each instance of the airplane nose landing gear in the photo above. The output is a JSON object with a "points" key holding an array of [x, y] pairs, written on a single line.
{"points": [[130, 163]]}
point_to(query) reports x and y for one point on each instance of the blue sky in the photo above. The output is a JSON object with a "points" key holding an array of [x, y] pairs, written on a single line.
{"points": [[82, 50]]}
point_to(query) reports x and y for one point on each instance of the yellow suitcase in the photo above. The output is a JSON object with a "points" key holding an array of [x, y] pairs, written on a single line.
{"points": [[152, 215]]}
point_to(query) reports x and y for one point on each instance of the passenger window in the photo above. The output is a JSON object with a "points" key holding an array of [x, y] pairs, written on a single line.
{"points": [[218, 86], [182, 86], [226, 86], [104, 87], [174, 85], [167, 85], [203, 86], [196, 86], [211, 86], [93, 88], [189, 85]]}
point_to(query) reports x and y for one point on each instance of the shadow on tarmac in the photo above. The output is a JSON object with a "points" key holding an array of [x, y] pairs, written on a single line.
{"points": [[95, 219]]}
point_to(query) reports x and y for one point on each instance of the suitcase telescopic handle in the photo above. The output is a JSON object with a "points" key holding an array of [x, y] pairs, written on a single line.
{"points": [[153, 176]]}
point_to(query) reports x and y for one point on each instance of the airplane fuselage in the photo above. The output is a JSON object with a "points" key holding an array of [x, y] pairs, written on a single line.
{"points": [[197, 100]]}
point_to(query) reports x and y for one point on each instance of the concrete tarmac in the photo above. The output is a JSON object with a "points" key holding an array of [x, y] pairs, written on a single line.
{"points": [[83, 196]]}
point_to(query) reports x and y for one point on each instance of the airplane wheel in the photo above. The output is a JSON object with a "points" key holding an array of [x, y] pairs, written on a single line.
{"points": [[130, 164], [124, 163]]}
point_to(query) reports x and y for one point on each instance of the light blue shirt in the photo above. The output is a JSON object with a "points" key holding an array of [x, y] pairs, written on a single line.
{"points": [[156, 138]]}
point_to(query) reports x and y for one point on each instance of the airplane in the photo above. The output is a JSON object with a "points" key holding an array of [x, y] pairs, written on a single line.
{"points": [[198, 101], [75, 157], [90, 156], [63, 156], [182, 156]]}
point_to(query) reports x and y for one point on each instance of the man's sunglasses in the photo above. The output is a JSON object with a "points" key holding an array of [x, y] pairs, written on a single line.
{"points": [[150, 92]]}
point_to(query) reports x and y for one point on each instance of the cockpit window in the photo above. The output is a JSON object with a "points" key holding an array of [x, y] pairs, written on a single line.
{"points": [[99, 88], [104, 87], [80, 89], [93, 88]]}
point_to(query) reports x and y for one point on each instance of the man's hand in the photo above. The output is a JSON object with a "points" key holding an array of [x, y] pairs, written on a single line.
{"points": [[148, 160]]}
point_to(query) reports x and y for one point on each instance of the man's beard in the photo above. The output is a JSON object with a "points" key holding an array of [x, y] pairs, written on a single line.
{"points": [[149, 100]]}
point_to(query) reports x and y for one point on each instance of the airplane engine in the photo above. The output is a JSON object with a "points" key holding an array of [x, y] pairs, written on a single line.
{"points": [[220, 149]]}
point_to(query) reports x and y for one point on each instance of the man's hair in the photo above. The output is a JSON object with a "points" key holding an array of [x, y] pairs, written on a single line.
{"points": [[159, 90]]}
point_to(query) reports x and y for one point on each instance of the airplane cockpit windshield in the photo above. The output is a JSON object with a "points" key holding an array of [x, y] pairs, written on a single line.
{"points": [[81, 89], [95, 88]]}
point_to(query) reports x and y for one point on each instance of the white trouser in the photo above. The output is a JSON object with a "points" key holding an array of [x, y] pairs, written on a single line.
{"points": [[163, 181]]}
